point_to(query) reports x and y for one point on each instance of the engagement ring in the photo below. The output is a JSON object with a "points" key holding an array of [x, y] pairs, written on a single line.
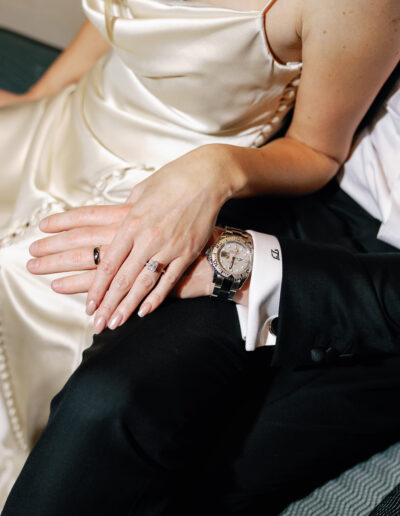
{"points": [[154, 266]]}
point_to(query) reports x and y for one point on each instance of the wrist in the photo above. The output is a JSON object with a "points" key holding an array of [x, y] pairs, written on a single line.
{"points": [[34, 93], [231, 177], [242, 295]]}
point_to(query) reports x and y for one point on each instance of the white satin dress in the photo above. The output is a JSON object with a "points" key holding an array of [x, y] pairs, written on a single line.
{"points": [[180, 75]]}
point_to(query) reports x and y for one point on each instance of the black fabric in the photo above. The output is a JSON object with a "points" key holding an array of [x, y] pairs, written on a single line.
{"points": [[170, 416], [390, 506]]}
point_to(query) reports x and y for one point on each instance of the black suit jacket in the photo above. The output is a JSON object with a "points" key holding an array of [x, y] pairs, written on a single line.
{"points": [[336, 304]]}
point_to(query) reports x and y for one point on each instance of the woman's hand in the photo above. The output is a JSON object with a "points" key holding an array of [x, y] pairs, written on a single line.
{"points": [[8, 97], [171, 219], [168, 218], [72, 250]]}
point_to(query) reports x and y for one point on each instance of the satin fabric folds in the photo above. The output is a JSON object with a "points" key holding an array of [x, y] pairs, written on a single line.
{"points": [[180, 75]]}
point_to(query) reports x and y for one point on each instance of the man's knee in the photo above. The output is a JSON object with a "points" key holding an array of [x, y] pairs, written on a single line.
{"points": [[162, 388]]}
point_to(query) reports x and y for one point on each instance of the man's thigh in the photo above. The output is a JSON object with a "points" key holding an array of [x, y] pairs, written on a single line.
{"points": [[311, 426], [179, 371], [140, 415]]}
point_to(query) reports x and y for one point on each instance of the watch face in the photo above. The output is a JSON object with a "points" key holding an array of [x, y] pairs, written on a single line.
{"points": [[234, 258]]}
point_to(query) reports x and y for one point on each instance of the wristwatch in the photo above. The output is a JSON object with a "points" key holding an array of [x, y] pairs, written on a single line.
{"points": [[231, 258]]}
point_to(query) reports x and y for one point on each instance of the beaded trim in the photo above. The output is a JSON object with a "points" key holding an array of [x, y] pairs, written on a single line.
{"points": [[6, 384], [99, 196], [37, 215], [285, 104], [9, 397]]}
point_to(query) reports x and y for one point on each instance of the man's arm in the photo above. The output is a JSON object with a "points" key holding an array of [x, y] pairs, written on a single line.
{"points": [[335, 304]]}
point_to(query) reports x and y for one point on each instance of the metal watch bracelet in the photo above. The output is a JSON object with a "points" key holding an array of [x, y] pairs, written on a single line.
{"points": [[226, 288]]}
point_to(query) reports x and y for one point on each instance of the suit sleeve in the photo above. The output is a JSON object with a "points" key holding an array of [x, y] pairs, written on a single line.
{"points": [[336, 304]]}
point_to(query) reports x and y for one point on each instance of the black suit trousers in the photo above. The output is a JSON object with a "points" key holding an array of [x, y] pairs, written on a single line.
{"points": [[169, 415]]}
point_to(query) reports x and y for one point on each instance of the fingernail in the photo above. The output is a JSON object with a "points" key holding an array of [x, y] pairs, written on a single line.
{"points": [[33, 265], [44, 223], [115, 322], [144, 309], [90, 308], [56, 284], [33, 248], [99, 325]]}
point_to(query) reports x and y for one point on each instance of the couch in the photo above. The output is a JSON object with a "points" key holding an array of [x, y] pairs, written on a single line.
{"points": [[354, 493]]}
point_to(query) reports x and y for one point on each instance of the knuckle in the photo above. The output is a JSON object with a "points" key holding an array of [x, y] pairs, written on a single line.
{"points": [[108, 267], [105, 309], [146, 281], [122, 282]]}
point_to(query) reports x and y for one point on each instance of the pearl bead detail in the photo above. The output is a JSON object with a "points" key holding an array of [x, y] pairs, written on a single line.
{"points": [[48, 206], [7, 391], [284, 106]]}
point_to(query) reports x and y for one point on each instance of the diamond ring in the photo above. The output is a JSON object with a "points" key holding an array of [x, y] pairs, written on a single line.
{"points": [[154, 266]]}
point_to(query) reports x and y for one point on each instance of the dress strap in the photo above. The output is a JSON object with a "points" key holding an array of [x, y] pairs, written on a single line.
{"points": [[264, 15], [268, 6]]}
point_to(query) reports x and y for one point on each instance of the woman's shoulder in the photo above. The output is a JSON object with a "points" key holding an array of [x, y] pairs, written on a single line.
{"points": [[361, 16], [289, 23]]}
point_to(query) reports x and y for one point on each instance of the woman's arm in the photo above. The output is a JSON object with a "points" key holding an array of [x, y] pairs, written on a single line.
{"points": [[349, 48], [80, 55], [77, 59]]}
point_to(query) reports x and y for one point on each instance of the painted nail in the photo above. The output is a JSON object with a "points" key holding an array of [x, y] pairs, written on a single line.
{"points": [[115, 322], [33, 265], [144, 309], [99, 325], [90, 308]]}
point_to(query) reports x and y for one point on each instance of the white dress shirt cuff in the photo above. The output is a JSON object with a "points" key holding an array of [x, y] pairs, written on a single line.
{"points": [[264, 292]]}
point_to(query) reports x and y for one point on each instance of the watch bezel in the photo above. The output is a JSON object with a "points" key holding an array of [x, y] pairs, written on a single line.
{"points": [[214, 250]]}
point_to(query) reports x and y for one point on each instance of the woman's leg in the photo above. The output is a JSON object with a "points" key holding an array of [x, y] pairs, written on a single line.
{"points": [[139, 416]]}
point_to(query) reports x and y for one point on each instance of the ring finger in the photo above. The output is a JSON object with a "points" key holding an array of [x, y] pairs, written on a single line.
{"points": [[73, 260], [136, 290]]}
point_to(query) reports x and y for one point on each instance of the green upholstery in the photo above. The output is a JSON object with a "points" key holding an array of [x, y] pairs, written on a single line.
{"points": [[22, 61]]}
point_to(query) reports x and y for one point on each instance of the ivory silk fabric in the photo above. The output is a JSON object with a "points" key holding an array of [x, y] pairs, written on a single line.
{"points": [[180, 75]]}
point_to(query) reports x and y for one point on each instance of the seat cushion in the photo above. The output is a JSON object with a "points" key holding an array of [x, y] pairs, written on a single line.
{"points": [[356, 491], [22, 61]]}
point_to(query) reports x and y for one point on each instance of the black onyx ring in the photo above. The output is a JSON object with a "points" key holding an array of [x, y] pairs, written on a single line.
{"points": [[154, 266], [96, 255]]}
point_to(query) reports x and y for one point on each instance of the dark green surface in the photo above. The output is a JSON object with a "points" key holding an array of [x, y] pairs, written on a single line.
{"points": [[22, 61]]}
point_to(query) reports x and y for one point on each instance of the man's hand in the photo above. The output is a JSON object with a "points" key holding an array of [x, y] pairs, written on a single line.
{"points": [[76, 233], [79, 231]]}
